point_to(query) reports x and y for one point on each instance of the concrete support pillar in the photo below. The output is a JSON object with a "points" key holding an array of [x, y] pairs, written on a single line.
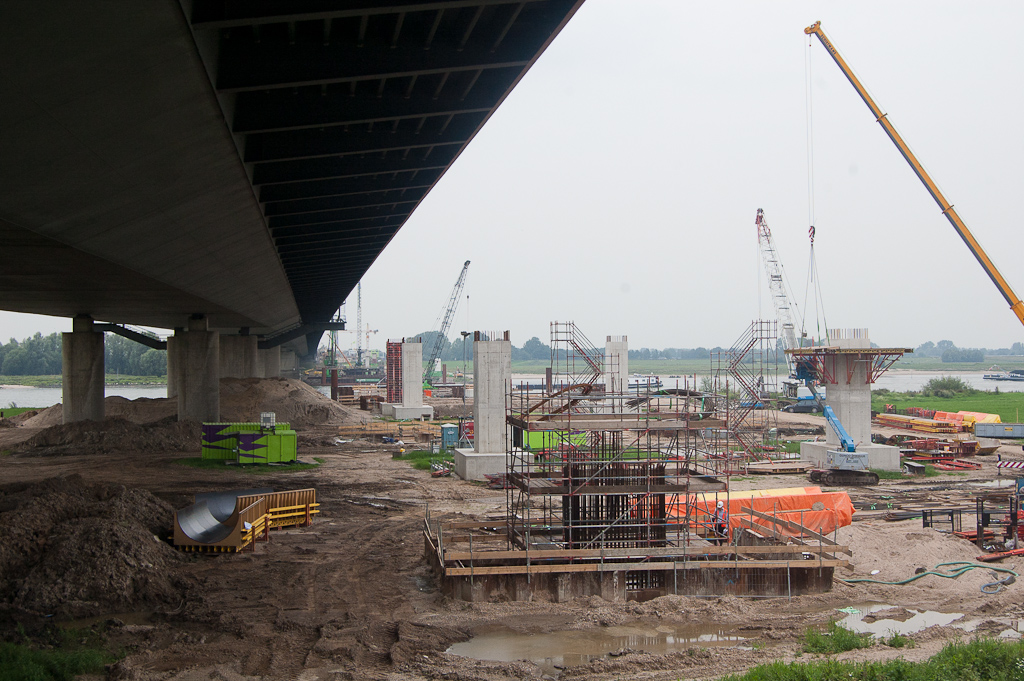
{"points": [[173, 364], [199, 375], [287, 362], [82, 372], [239, 357], [616, 364], [850, 400], [270, 362], [492, 374], [412, 375]]}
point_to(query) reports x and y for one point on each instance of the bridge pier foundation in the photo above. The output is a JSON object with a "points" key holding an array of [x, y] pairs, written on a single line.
{"points": [[82, 372], [198, 372], [239, 357]]}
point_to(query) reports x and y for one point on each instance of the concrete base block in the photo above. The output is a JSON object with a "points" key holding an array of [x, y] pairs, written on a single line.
{"points": [[472, 465], [397, 411], [882, 457]]}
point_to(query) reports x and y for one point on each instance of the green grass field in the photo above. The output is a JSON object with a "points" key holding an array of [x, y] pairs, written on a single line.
{"points": [[1009, 406], [8, 412]]}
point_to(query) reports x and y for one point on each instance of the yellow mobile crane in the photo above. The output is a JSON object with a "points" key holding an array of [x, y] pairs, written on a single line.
{"points": [[947, 208]]}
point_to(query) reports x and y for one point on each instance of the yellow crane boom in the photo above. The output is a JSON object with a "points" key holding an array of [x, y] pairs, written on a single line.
{"points": [[1016, 305]]}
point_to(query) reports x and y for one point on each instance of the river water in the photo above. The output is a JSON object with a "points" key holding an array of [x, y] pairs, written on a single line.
{"points": [[897, 381]]}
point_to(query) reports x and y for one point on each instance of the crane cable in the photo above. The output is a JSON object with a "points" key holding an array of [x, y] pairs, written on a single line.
{"points": [[813, 280]]}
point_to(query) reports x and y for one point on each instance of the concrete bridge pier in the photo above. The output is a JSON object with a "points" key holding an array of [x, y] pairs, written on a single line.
{"points": [[239, 357], [82, 372], [270, 362], [198, 372]]}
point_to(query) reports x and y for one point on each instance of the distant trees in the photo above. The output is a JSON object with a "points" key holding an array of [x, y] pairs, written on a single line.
{"points": [[963, 355], [40, 355], [36, 355]]}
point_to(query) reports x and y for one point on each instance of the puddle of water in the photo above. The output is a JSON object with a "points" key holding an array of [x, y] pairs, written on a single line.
{"points": [[557, 649], [1007, 483], [881, 628]]}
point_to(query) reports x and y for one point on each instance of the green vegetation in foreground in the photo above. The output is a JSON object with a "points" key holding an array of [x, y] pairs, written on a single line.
{"points": [[8, 412], [978, 660], [54, 381], [258, 469], [420, 458], [835, 639], [72, 652]]}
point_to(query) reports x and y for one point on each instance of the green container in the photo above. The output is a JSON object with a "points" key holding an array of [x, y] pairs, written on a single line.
{"points": [[267, 446], [220, 440]]}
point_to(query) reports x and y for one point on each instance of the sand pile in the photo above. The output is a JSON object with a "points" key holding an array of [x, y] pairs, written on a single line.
{"points": [[294, 402], [241, 399], [115, 435], [75, 550], [898, 549]]}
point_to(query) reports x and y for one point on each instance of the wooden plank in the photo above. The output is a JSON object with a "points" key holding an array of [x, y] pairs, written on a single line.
{"points": [[789, 525], [617, 567], [547, 554]]}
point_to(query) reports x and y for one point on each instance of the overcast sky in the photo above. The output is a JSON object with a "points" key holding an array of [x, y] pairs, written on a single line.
{"points": [[618, 183]]}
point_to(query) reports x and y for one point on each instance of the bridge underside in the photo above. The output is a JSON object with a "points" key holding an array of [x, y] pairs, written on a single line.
{"points": [[245, 161]]}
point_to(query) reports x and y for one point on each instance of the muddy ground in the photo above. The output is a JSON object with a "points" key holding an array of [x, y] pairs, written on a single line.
{"points": [[352, 598]]}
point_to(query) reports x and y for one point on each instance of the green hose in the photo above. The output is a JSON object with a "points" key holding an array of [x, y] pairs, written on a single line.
{"points": [[990, 588]]}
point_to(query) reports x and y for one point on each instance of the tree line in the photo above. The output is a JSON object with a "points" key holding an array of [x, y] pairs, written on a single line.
{"points": [[535, 349], [40, 355], [947, 351]]}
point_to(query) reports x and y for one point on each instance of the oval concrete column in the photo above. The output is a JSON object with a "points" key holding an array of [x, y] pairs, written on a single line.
{"points": [[82, 372], [199, 376]]}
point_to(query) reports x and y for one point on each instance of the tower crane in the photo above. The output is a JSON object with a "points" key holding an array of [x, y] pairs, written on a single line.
{"points": [[780, 298], [359, 325], [444, 322], [1016, 305]]}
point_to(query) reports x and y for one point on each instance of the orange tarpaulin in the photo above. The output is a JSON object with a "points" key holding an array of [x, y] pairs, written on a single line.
{"points": [[797, 508], [971, 417]]}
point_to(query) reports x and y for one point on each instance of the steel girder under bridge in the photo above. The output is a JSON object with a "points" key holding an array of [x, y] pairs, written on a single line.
{"points": [[247, 161]]}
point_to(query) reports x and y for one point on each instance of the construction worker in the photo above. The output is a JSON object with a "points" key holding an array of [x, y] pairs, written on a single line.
{"points": [[721, 521]]}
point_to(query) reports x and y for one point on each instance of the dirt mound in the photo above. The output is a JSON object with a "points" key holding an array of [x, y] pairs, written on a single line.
{"points": [[76, 550], [241, 399], [113, 435], [294, 402]]}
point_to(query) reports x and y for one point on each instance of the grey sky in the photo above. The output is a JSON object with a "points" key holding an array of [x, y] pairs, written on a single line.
{"points": [[618, 183]]}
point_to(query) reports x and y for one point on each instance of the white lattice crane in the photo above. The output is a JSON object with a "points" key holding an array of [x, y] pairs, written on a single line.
{"points": [[777, 286], [444, 322]]}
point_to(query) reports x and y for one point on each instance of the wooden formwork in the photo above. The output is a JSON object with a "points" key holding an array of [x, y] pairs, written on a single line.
{"points": [[474, 561], [389, 429], [290, 507], [254, 516]]}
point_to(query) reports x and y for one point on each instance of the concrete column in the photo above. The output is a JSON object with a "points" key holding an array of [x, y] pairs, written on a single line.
{"points": [[239, 357], [287, 361], [82, 372], [851, 400], [270, 362], [199, 376], [412, 375], [616, 364], [173, 364], [492, 372]]}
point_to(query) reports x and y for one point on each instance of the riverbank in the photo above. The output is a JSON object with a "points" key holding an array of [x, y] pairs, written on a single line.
{"points": [[55, 381]]}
